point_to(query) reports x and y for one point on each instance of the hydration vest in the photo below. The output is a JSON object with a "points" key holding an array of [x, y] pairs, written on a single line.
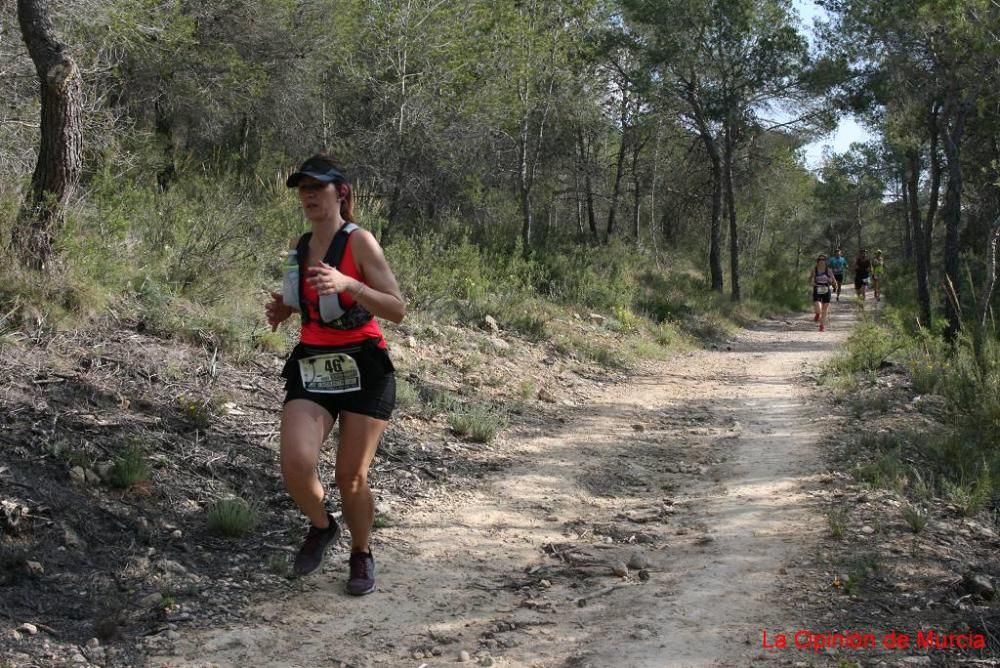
{"points": [[333, 312]]}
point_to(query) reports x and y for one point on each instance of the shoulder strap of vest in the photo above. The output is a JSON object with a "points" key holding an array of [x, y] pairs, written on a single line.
{"points": [[339, 245]]}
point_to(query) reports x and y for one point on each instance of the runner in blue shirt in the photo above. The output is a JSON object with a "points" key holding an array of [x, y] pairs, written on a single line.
{"points": [[838, 263]]}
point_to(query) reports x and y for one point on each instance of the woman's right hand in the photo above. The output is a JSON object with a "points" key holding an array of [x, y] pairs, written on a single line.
{"points": [[277, 311]]}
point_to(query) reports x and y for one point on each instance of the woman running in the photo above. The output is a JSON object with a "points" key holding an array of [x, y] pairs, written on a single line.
{"points": [[823, 283], [862, 273], [340, 369]]}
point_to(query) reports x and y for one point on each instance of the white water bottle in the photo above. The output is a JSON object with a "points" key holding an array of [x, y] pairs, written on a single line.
{"points": [[290, 286]]}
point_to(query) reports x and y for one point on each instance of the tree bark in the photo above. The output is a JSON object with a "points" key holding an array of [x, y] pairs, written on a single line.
{"points": [[637, 201], [60, 152], [587, 183], [715, 244], [715, 157], [908, 226], [919, 239], [734, 235], [955, 116]]}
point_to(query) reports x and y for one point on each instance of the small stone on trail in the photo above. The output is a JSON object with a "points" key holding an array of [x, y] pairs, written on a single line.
{"points": [[35, 569], [638, 427], [644, 575], [93, 643], [92, 477], [487, 661], [619, 568], [596, 318], [867, 530], [978, 584], [29, 629], [411, 342], [104, 470], [499, 343], [14, 635], [77, 474], [492, 324], [464, 656], [151, 601], [638, 561], [545, 395]]}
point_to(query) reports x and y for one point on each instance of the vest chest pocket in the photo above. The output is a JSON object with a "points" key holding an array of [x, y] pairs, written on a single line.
{"points": [[332, 373]]}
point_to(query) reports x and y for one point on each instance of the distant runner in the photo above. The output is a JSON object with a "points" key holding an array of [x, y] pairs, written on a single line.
{"points": [[878, 274], [338, 280], [862, 274], [838, 263], [823, 283]]}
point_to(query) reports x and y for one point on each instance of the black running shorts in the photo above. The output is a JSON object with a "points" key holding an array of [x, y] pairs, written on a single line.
{"points": [[824, 298], [356, 379]]}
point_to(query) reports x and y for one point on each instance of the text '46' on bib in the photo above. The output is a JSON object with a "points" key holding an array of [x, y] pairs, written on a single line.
{"points": [[334, 373]]}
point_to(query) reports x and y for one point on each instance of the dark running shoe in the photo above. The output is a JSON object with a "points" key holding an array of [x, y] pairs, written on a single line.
{"points": [[310, 555], [362, 580]]}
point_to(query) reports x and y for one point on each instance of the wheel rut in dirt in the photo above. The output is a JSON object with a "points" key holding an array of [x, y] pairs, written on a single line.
{"points": [[649, 528]]}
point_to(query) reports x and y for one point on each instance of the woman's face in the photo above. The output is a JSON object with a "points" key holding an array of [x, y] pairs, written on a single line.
{"points": [[319, 200]]}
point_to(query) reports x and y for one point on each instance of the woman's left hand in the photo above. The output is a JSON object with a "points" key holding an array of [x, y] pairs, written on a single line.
{"points": [[327, 279]]}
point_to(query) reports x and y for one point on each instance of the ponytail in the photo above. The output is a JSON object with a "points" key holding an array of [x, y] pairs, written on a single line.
{"points": [[346, 201]]}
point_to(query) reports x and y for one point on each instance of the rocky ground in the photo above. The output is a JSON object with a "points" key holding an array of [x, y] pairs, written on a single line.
{"points": [[665, 514]]}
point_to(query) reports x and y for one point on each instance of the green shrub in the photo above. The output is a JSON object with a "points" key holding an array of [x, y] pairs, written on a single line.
{"points": [[915, 517], [624, 321], [969, 497], [868, 346], [270, 342], [407, 396], [233, 517], [526, 390], [197, 412], [780, 288], [837, 519], [439, 401], [479, 424], [130, 468]]}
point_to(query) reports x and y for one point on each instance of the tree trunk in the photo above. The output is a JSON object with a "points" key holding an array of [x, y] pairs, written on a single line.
{"points": [[616, 188], [715, 157], [524, 184], [715, 244], [908, 226], [989, 283], [957, 112], [919, 239], [60, 152], [587, 183], [734, 235], [636, 209]]}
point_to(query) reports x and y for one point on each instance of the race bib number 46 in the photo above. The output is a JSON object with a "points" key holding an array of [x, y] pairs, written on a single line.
{"points": [[822, 289], [330, 374]]}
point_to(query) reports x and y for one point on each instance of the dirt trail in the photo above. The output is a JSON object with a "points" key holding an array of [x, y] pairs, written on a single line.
{"points": [[698, 467]]}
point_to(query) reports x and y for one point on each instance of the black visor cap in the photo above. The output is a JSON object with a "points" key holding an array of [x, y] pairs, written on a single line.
{"points": [[321, 171]]}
